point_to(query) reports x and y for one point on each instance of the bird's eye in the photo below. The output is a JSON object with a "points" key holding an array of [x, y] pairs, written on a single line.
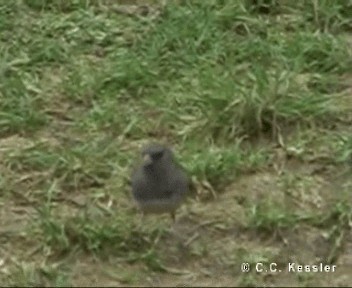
{"points": [[158, 155]]}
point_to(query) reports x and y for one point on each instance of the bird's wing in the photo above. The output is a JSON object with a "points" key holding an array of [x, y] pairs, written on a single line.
{"points": [[180, 182]]}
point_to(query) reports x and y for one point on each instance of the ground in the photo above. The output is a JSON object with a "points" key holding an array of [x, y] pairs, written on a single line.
{"points": [[255, 98]]}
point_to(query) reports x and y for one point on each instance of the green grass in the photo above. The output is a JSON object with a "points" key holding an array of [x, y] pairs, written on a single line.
{"points": [[82, 87]]}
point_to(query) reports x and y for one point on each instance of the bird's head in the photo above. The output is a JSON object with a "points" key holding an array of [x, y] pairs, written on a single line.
{"points": [[154, 154]]}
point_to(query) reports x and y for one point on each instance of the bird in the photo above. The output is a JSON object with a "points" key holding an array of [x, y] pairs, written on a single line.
{"points": [[159, 184]]}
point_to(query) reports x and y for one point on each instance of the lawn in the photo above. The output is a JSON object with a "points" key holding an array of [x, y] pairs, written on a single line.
{"points": [[254, 97]]}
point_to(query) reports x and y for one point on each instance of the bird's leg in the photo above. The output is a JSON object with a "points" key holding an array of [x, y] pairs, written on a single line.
{"points": [[173, 216], [140, 221]]}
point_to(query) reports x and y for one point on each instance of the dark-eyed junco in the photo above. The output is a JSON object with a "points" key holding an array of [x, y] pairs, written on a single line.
{"points": [[159, 184]]}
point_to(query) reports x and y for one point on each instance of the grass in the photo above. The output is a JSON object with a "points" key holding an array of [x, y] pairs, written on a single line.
{"points": [[225, 83]]}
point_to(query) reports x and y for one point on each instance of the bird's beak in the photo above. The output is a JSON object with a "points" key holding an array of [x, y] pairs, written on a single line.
{"points": [[147, 160]]}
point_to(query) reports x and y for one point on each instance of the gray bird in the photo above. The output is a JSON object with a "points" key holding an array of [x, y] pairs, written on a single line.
{"points": [[159, 185]]}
